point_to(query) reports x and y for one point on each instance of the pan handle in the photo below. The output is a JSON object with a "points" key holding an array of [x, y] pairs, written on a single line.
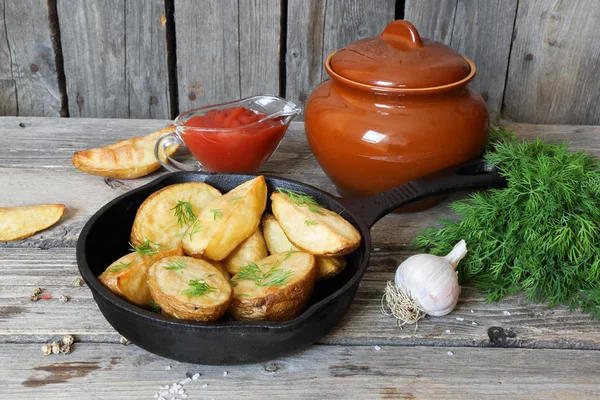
{"points": [[475, 174]]}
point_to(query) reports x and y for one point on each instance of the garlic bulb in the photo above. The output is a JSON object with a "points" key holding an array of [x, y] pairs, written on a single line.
{"points": [[431, 281]]}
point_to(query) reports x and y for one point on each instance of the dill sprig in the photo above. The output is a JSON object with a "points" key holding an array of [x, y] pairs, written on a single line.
{"points": [[176, 265], [198, 287], [302, 199], [118, 267], [184, 213], [195, 228], [288, 254], [272, 277], [236, 200], [154, 307], [217, 213], [310, 223], [147, 248], [539, 235]]}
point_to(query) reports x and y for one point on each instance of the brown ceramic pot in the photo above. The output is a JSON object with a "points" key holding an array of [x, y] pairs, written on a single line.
{"points": [[397, 107]]}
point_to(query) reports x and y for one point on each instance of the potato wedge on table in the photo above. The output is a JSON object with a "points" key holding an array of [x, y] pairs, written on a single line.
{"points": [[276, 288], [126, 159], [250, 250], [227, 221], [277, 242], [21, 222], [312, 228], [165, 215], [127, 276], [189, 288]]}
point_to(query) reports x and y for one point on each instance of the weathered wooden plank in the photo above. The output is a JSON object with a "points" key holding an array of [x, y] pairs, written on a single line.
{"points": [[28, 78], [553, 72], [146, 59], [535, 325], [324, 372], [115, 58], [304, 56], [434, 19], [208, 52], [482, 32], [260, 37]]}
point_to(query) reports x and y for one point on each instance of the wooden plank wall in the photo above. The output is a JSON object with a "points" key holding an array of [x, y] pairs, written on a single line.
{"points": [[537, 61]]}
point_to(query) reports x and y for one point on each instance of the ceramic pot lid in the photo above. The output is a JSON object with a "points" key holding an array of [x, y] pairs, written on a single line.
{"points": [[400, 58]]}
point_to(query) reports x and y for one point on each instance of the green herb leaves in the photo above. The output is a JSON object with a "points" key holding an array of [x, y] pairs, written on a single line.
{"points": [[184, 213], [119, 267], [195, 228], [273, 277], [147, 248], [310, 223], [217, 214], [176, 265], [539, 235], [302, 199], [155, 308], [198, 287], [236, 200]]}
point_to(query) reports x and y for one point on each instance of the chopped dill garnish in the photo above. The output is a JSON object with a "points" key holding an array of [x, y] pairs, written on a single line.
{"points": [[288, 254], [154, 307], [236, 200], [273, 277], [217, 214], [302, 199], [195, 228], [310, 223], [198, 287], [176, 265], [147, 248], [184, 213], [119, 267]]}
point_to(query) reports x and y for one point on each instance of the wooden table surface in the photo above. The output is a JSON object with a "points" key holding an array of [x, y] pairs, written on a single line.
{"points": [[554, 354]]}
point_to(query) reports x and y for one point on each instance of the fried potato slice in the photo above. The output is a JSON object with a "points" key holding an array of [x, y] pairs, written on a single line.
{"points": [[127, 276], [277, 242], [250, 250], [23, 221], [189, 288], [125, 159], [227, 221], [276, 288], [166, 214], [312, 228]]}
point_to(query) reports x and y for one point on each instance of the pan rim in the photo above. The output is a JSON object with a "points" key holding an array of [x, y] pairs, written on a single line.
{"points": [[124, 307]]}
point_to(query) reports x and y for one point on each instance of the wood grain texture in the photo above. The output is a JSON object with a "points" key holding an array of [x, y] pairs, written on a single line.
{"points": [[115, 58], [555, 63], [208, 52], [434, 19], [322, 372], [260, 37], [28, 79]]}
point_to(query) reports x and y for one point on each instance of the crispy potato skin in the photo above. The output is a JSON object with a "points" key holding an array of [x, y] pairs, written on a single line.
{"points": [[251, 249], [130, 282], [166, 287], [155, 219], [330, 236], [126, 159], [277, 242], [276, 303], [239, 213], [20, 222]]}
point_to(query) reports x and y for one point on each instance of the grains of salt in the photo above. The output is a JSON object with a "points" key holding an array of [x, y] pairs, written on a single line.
{"points": [[186, 380], [376, 249], [163, 393], [473, 323], [205, 386], [161, 398], [163, 387], [472, 311], [447, 330], [195, 376], [450, 353], [180, 391], [168, 367], [155, 395], [224, 373], [184, 396], [377, 348], [460, 319], [506, 313]]}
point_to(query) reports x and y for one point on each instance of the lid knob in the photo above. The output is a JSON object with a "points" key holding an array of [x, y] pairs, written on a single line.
{"points": [[402, 34]]}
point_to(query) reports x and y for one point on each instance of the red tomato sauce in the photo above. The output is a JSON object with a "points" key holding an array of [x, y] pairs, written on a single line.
{"points": [[230, 140]]}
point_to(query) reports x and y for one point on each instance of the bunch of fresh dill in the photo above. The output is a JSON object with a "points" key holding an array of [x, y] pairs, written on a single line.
{"points": [[540, 235]]}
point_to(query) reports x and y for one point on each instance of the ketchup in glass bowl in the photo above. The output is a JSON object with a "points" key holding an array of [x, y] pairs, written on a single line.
{"points": [[238, 136]]}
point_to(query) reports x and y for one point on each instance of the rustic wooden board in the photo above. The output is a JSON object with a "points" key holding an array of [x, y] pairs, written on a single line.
{"points": [[95, 371], [553, 72], [481, 31], [115, 58], [28, 78]]}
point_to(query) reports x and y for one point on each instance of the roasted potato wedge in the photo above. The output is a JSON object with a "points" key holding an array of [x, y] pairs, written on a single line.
{"points": [[312, 228], [276, 288], [23, 221], [165, 215], [277, 242], [127, 276], [189, 288], [125, 159], [250, 250], [227, 221]]}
